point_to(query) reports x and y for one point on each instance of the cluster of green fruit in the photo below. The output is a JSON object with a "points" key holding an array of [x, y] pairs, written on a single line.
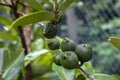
{"points": [[71, 55]]}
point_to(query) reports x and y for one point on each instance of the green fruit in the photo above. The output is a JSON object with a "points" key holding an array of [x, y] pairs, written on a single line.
{"points": [[67, 45], [69, 60], [57, 59], [84, 52], [81, 77], [53, 44], [50, 31]]}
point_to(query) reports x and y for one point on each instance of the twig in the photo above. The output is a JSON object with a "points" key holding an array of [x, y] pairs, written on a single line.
{"points": [[20, 13], [6, 1], [87, 74], [22, 37], [4, 4], [0, 75], [28, 41], [40, 23], [24, 4], [20, 31], [27, 28]]}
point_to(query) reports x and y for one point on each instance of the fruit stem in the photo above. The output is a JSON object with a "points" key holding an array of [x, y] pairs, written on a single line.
{"points": [[87, 74]]}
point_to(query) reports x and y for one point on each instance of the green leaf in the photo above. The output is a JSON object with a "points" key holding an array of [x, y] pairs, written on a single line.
{"points": [[103, 77], [81, 77], [63, 73], [48, 76], [15, 67], [34, 55], [9, 57], [41, 64], [115, 41], [5, 20], [32, 18], [35, 4], [66, 4], [37, 45], [7, 36], [88, 67]]}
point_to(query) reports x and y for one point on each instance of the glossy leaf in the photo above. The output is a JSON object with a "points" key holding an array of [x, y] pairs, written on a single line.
{"points": [[63, 73], [41, 64], [15, 67], [7, 36], [66, 4], [34, 55], [32, 18], [35, 4], [103, 77], [48, 76], [81, 77], [37, 45], [88, 68], [5, 20], [115, 41], [9, 57]]}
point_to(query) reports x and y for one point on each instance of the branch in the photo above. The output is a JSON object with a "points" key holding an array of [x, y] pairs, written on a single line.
{"points": [[22, 37], [6, 1], [87, 74], [8, 5], [0, 75], [20, 13]]}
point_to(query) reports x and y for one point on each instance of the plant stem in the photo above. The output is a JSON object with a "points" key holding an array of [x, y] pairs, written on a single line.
{"points": [[22, 37], [87, 74], [27, 28], [4, 4], [0, 75], [20, 31]]}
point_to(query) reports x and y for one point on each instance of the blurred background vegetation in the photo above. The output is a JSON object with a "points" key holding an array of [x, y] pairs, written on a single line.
{"points": [[93, 22]]}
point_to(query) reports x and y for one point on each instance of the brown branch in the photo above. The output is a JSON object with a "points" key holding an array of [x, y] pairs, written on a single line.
{"points": [[21, 14], [4, 4], [21, 34], [0, 75], [6, 1], [28, 41], [27, 28], [23, 40], [87, 74], [28, 67]]}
